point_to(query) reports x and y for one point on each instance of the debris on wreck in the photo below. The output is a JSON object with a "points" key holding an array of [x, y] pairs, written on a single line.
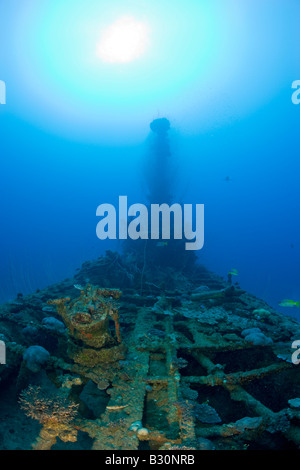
{"points": [[55, 412], [169, 368]]}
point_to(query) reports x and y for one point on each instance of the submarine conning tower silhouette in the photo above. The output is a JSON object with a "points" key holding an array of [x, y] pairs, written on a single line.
{"points": [[159, 172], [160, 126]]}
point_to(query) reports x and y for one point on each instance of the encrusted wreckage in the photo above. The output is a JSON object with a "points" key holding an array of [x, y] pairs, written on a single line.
{"points": [[201, 365], [90, 341]]}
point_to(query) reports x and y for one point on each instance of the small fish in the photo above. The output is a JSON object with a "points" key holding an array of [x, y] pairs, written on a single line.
{"points": [[233, 272], [162, 244], [289, 303]]}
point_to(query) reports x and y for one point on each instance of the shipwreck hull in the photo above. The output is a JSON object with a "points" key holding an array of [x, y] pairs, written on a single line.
{"points": [[185, 375]]}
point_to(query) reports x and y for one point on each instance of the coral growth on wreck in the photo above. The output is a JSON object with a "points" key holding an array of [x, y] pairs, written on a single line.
{"points": [[87, 319], [39, 404]]}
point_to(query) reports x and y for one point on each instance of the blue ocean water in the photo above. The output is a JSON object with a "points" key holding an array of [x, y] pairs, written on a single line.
{"points": [[75, 134]]}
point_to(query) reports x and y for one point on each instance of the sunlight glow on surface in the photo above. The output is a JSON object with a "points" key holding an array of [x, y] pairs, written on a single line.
{"points": [[95, 70], [124, 41]]}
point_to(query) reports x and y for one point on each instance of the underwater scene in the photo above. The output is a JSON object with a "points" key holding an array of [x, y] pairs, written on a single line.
{"points": [[150, 229]]}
